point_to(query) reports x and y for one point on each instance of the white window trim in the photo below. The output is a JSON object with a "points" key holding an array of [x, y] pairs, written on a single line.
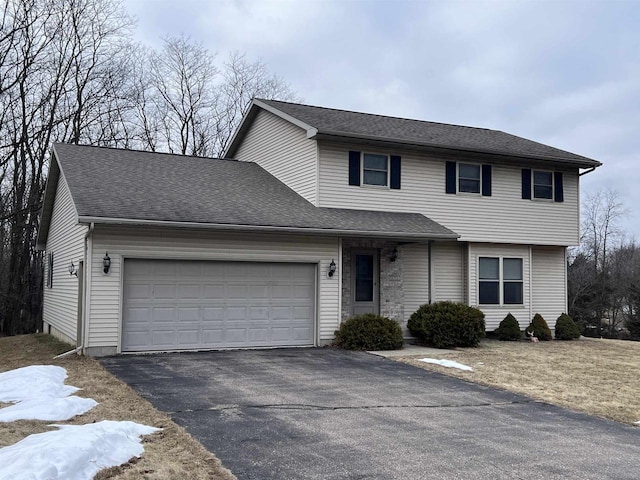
{"points": [[533, 185], [501, 281], [479, 193], [362, 169]]}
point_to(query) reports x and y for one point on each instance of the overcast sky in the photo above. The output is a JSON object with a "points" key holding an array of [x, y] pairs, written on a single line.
{"points": [[564, 73]]}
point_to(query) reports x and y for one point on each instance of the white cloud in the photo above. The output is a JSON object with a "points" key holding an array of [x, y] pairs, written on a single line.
{"points": [[563, 73]]}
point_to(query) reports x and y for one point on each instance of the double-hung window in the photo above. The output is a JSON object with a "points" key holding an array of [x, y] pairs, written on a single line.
{"points": [[468, 178], [500, 281], [542, 184], [375, 169]]}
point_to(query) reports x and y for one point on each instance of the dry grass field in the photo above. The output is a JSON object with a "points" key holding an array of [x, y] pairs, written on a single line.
{"points": [[599, 377], [170, 454]]}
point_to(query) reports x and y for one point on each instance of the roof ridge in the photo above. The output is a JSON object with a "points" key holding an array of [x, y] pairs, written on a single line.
{"points": [[379, 115], [136, 150]]}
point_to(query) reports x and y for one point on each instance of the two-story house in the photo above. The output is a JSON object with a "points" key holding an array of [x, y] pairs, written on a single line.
{"points": [[315, 215]]}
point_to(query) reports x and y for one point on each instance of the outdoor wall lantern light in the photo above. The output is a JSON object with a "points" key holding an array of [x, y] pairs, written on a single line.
{"points": [[73, 270], [332, 268], [106, 262], [394, 255]]}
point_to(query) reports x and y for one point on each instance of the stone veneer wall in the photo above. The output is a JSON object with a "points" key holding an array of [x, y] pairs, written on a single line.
{"points": [[391, 283]]}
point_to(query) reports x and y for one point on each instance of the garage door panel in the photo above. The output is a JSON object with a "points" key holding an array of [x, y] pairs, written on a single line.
{"points": [[189, 304], [139, 339], [188, 314], [188, 337], [213, 314], [236, 336], [163, 314], [281, 292], [213, 336], [259, 291], [190, 291], [300, 333], [134, 291], [163, 338], [163, 269], [302, 291], [301, 313], [138, 315], [213, 292], [163, 291], [236, 292]]}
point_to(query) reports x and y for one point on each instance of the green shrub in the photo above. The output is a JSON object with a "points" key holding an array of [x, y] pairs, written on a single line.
{"points": [[509, 329], [447, 325], [566, 328], [369, 332], [539, 328]]}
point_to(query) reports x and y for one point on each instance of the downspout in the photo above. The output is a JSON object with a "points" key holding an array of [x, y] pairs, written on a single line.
{"points": [[341, 280], [86, 287], [530, 282], [430, 245]]}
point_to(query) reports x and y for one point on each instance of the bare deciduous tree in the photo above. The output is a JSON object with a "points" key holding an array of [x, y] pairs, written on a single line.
{"points": [[69, 72]]}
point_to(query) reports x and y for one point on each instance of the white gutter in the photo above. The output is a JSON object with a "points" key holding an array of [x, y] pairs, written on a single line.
{"points": [[265, 228], [336, 135], [587, 171]]}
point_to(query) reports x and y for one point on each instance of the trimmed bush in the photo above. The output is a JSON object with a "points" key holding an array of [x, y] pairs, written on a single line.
{"points": [[566, 328], [447, 325], [540, 328], [369, 332], [509, 329]]}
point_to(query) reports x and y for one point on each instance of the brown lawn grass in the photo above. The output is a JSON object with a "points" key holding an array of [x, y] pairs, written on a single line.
{"points": [[599, 377], [168, 455]]}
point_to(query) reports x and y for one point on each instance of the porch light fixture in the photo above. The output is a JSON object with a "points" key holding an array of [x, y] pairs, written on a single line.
{"points": [[332, 268], [106, 262], [394, 255], [73, 270]]}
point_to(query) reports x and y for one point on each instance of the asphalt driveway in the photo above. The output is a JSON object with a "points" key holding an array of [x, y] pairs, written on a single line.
{"points": [[331, 414]]}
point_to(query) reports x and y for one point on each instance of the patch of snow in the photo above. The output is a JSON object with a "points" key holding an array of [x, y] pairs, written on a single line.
{"points": [[47, 409], [39, 393], [74, 452], [34, 381], [637, 423], [447, 363]]}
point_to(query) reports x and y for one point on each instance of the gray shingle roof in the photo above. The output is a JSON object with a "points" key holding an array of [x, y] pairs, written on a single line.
{"points": [[108, 183], [330, 121]]}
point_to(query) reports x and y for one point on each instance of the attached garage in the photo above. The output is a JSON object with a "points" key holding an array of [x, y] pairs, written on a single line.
{"points": [[187, 304]]}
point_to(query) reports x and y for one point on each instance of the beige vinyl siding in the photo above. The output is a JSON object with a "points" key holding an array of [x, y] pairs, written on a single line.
{"points": [[284, 150], [504, 217], [549, 283], [106, 297], [448, 271], [66, 242], [494, 314], [415, 277]]}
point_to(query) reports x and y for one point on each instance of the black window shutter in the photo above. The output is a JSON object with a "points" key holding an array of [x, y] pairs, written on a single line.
{"points": [[451, 177], [558, 187], [486, 180], [354, 168], [526, 183], [394, 181]]}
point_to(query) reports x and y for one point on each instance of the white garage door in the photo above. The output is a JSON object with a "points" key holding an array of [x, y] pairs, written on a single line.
{"points": [[182, 305]]}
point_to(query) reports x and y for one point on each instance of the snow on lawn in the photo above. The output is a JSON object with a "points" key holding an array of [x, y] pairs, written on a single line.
{"points": [[39, 393], [447, 363], [74, 452]]}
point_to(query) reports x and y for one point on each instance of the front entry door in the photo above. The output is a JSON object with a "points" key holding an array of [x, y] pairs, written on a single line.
{"points": [[364, 283]]}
